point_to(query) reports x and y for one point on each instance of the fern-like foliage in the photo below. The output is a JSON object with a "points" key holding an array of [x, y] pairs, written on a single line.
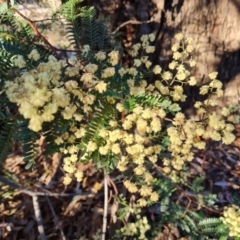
{"points": [[71, 13], [213, 227], [96, 31], [103, 34], [15, 25], [69, 10], [150, 101], [88, 17], [210, 222], [196, 184], [97, 122], [84, 28], [5, 61], [17, 36], [7, 133], [192, 223], [51, 132], [27, 138]]}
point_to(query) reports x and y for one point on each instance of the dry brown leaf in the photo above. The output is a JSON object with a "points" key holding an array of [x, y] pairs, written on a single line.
{"points": [[50, 169], [88, 168], [114, 209], [73, 207], [13, 164]]}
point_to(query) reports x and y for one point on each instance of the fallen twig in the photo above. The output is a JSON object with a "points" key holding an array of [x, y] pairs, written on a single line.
{"points": [[45, 193], [104, 228], [55, 218], [38, 218], [36, 206]]}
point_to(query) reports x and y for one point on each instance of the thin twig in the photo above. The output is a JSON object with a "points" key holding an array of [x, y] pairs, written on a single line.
{"points": [[105, 212], [36, 206], [68, 50], [188, 195], [187, 208], [208, 208], [38, 218], [55, 218], [31, 193], [113, 185], [168, 119], [131, 22], [45, 19], [110, 197]]}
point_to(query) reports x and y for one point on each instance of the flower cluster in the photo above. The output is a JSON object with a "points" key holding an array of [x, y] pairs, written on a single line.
{"points": [[39, 93], [42, 94], [231, 217], [178, 71], [138, 228], [69, 164], [145, 44], [90, 108], [75, 91], [232, 112], [184, 134]]}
